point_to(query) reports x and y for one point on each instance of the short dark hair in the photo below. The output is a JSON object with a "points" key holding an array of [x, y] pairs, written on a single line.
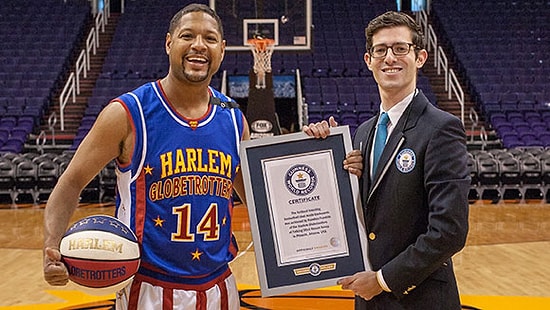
{"points": [[394, 19], [195, 7]]}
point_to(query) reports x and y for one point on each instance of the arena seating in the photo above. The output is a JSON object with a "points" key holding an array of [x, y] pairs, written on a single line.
{"points": [[499, 54], [501, 47], [33, 61], [136, 55], [30, 178], [336, 81], [520, 174]]}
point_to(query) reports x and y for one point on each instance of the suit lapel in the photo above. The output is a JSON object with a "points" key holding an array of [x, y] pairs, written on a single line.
{"points": [[368, 141], [389, 153], [398, 136]]}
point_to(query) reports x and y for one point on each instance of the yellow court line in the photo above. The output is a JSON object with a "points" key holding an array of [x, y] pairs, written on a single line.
{"points": [[71, 299], [76, 298], [506, 302]]}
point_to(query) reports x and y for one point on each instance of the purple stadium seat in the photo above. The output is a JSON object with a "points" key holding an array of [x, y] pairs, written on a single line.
{"points": [[313, 98], [498, 118], [539, 126], [514, 116], [347, 98], [532, 117], [521, 126], [544, 138], [330, 98]]}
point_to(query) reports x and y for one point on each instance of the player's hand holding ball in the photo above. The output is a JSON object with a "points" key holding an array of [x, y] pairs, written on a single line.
{"points": [[98, 252], [55, 272]]}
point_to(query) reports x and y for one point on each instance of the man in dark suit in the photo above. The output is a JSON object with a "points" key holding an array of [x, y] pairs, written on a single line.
{"points": [[416, 198]]}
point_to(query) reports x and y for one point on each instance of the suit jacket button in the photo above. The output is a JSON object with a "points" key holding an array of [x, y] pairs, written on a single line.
{"points": [[372, 236]]}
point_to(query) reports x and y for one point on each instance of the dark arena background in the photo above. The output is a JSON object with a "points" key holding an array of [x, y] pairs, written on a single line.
{"points": [[61, 61]]}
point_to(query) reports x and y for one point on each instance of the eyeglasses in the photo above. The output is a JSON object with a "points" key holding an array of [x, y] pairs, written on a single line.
{"points": [[398, 49]]}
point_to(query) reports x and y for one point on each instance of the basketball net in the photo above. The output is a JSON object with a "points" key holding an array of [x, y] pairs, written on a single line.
{"points": [[262, 49]]}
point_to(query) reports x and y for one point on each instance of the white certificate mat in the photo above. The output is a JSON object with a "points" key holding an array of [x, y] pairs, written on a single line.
{"points": [[306, 214]]}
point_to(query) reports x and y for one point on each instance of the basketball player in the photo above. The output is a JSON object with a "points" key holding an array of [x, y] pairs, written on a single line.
{"points": [[176, 143]]}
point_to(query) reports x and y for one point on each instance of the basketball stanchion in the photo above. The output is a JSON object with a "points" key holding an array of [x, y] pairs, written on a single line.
{"points": [[262, 49], [260, 110]]}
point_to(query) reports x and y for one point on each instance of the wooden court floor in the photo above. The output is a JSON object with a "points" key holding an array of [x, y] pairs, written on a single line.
{"points": [[505, 264]]}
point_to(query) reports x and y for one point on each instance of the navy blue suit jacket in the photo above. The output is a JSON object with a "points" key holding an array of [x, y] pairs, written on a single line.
{"points": [[416, 208]]}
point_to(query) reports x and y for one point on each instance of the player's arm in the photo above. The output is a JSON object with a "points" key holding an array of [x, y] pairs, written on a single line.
{"points": [[104, 142], [238, 183]]}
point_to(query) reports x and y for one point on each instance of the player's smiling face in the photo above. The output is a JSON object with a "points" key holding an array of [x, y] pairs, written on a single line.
{"points": [[395, 74], [195, 48]]}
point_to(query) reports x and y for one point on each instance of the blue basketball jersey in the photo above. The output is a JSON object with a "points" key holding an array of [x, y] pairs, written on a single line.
{"points": [[176, 193]]}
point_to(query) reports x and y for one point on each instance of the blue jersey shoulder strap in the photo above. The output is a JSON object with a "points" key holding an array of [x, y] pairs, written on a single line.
{"points": [[222, 100]]}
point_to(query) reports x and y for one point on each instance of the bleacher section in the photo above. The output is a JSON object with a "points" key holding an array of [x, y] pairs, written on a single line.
{"points": [[136, 55], [498, 45], [30, 177], [38, 38], [516, 175], [335, 78], [502, 49]]}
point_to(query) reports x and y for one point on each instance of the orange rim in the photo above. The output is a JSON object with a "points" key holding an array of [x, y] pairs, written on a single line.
{"points": [[261, 44]]}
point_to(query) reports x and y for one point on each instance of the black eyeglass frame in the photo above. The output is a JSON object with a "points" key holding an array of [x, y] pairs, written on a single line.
{"points": [[409, 45]]}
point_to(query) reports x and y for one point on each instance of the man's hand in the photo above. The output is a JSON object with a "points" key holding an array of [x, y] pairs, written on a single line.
{"points": [[363, 284], [320, 129], [354, 162], [354, 159], [55, 272]]}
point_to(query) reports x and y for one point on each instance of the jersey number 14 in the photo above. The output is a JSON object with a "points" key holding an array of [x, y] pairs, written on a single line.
{"points": [[208, 226]]}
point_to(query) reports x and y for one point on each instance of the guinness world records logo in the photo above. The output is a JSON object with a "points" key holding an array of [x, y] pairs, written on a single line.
{"points": [[405, 161], [300, 179]]}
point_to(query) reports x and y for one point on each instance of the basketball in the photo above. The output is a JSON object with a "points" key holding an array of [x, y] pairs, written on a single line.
{"points": [[101, 253]]}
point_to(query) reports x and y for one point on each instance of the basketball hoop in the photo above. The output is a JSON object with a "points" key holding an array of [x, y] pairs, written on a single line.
{"points": [[262, 49]]}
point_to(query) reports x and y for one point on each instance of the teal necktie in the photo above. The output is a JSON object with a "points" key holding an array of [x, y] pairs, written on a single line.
{"points": [[380, 139]]}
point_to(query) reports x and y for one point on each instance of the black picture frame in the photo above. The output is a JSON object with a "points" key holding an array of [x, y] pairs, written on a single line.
{"points": [[312, 273]]}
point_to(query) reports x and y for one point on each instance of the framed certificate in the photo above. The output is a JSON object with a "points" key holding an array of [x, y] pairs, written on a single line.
{"points": [[305, 211]]}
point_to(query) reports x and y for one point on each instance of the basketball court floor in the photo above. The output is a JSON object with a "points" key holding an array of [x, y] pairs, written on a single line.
{"points": [[505, 264]]}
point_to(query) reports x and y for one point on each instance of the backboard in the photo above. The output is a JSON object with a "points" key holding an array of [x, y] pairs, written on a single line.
{"points": [[288, 22]]}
